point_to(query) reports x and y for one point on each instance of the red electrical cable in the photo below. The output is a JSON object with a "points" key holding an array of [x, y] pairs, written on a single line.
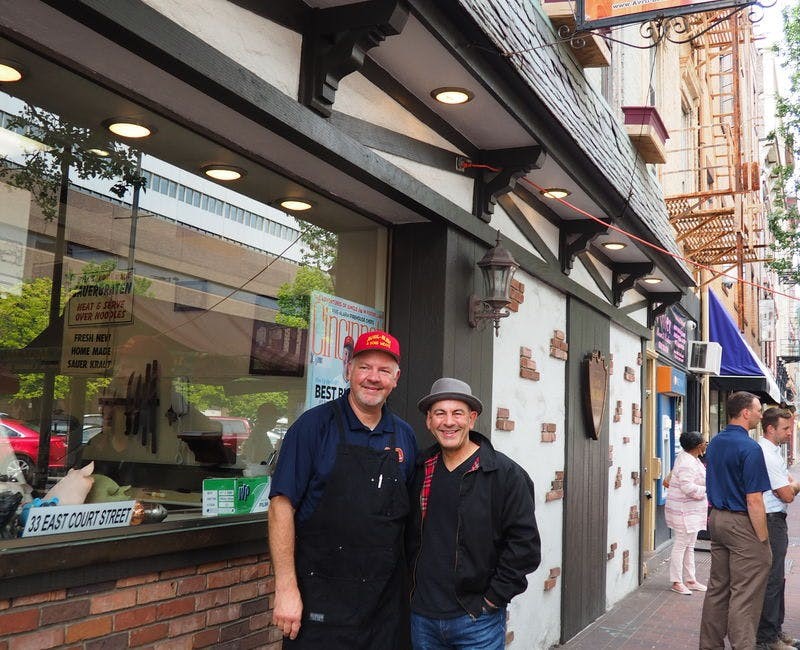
{"points": [[471, 165], [663, 250]]}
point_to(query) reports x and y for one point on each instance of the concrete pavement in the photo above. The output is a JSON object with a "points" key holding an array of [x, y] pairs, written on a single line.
{"points": [[655, 617]]}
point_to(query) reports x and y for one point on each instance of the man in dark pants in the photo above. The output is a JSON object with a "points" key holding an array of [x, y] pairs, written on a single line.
{"points": [[338, 505], [740, 555], [778, 426], [472, 534]]}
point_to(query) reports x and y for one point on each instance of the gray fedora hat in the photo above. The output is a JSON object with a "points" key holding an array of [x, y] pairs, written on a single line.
{"points": [[449, 388]]}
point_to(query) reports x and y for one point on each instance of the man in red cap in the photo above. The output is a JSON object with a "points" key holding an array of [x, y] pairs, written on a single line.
{"points": [[338, 504]]}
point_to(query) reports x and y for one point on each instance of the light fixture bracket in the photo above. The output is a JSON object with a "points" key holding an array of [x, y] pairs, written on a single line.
{"points": [[479, 310]]}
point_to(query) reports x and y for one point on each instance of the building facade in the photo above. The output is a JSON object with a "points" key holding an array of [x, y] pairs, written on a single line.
{"points": [[157, 306]]}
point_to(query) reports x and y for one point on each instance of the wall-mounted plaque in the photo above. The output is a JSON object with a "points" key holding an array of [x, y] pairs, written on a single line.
{"points": [[595, 391]]}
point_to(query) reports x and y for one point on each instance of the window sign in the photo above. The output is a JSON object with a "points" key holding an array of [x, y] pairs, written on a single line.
{"points": [[669, 336], [333, 321]]}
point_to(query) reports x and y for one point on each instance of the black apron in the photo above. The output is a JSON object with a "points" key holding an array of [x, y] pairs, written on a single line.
{"points": [[348, 554]]}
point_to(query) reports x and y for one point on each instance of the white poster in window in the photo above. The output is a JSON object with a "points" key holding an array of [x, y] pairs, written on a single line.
{"points": [[334, 326], [87, 351], [106, 302]]}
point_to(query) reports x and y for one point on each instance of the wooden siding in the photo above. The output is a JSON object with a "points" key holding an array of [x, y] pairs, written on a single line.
{"points": [[585, 481]]}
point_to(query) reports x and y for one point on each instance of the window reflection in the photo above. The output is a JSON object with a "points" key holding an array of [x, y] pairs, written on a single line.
{"points": [[160, 335]]}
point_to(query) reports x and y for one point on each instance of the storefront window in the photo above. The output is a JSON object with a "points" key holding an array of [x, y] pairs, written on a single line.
{"points": [[161, 337]]}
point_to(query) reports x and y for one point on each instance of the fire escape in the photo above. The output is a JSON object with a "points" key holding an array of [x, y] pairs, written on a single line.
{"points": [[719, 221]]}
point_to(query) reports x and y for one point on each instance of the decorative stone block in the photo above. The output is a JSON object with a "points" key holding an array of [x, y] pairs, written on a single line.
{"points": [[610, 363], [618, 479], [559, 347], [503, 423], [626, 440], [556, 488], [630, 374], [618, 412], [612, 550], [636, 414], [633, 516], [610, 455], [635, 478], [552, 578], [517, 295], [626, 560], [639, 359], [548, 432], [526, 353]]}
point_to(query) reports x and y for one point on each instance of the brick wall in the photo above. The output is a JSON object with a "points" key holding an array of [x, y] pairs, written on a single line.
{"points": [[223, 605]]}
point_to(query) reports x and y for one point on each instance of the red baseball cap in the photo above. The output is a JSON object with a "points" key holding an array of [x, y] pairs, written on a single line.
{"points": [[380, 341]]}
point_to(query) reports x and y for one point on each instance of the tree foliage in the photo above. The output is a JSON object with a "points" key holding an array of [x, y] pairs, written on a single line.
{"points": [[24, 312], [319, 246], [87, 154], [294, 298], [784, 220]]}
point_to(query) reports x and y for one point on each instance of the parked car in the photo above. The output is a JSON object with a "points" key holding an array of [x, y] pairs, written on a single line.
{"points": [[92, 425], [234, 431], [24, 441]]}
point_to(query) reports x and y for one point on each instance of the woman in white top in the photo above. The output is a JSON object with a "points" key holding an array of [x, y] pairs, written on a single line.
{"points": [[686, 511]]}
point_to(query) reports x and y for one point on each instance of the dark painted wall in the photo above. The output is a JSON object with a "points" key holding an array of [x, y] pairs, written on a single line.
{"points": [[433, 272], [585, 480]]}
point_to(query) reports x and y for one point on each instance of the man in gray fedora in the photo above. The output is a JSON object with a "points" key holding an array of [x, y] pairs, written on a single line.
{"points": [[472, 537]]}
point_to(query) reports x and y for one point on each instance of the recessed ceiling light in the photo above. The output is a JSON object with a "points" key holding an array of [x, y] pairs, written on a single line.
{"points": [[452, 95], [614, 245], [224, 172], [295, 205], [99, 152], [10, 71], [126, 127], [555, 193], [652, 280]]}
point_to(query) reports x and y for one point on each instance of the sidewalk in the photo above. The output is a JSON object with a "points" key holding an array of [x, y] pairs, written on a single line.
{"points": [[655, 617]]}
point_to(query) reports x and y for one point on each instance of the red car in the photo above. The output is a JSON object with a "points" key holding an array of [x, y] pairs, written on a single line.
{"points": [[234, 431], [24, 442]]}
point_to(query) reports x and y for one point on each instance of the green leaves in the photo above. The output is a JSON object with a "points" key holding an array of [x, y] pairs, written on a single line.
{"points": [[54, 143]]}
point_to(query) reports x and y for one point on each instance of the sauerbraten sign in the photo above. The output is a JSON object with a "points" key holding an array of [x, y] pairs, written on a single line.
{"points": [[669, 336]]}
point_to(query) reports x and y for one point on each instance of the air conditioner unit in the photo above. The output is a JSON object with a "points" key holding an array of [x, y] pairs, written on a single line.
{"points": [[705, 357]]}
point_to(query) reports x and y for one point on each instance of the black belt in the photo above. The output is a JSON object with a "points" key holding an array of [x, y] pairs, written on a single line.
{"points": [[780, 515], [733, 512]]}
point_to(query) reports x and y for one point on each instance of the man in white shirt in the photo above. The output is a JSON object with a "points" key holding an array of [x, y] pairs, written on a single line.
{"points": [[778, 425]]}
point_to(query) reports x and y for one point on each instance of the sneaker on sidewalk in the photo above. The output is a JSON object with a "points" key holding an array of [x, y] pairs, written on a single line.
{"points": [[696, 586], [789, 640], [777, 644], [681, 588]]}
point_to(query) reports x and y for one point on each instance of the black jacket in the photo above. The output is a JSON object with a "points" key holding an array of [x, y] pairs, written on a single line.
{"points": [[498, 540]]}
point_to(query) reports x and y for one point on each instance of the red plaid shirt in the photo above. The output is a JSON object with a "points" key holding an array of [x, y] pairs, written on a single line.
{"points": [[430, 467]]}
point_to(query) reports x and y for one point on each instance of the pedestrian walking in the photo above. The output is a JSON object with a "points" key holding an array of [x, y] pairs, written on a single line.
{"points": [[472, 534], [740, 554], [686, 512], [778, 427], [338, 505]]}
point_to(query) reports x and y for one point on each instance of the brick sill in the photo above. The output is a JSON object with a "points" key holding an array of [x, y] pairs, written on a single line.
{"points": [[80, 559]]}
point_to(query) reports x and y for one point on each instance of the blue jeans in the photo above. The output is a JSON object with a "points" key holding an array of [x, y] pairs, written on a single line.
{"points": [[487, 632]]}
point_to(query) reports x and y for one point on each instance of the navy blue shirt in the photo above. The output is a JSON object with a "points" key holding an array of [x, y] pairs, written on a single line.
{"points": [[735, 467], [308, 451]]}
